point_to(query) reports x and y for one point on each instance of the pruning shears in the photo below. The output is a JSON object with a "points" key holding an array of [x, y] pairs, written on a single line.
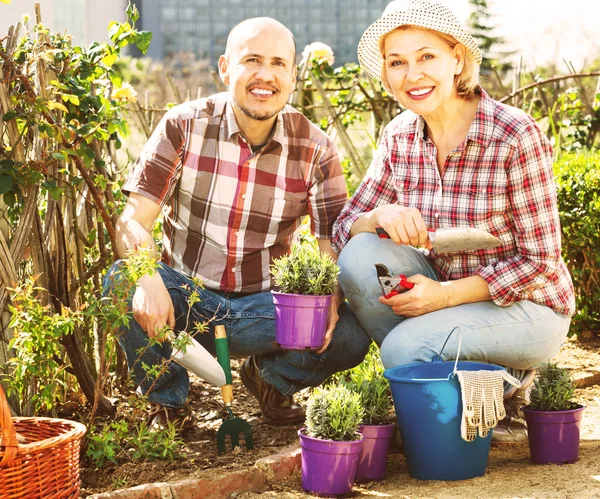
{"points": [[392, 285]]}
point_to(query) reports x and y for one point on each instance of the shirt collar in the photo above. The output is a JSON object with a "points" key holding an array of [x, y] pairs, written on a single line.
{"points": [[481, 128], [232, 127]]}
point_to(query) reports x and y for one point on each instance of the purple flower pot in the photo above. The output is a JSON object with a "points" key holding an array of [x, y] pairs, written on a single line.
{"points": [[373, 458], [553, 435], [328, 466], [300, 320]]}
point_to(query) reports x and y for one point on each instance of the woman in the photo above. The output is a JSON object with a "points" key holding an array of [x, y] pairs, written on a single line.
{"points": [[454, 158]]}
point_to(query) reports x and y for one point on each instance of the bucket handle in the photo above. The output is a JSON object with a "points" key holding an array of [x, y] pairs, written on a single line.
{"points": [[438, 357]]}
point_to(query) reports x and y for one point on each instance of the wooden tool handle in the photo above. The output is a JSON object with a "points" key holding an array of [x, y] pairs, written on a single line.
{"points": [[222, 348]]}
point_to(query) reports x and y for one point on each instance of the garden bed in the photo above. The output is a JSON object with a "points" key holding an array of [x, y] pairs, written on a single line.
{"points": [[510, 472]]}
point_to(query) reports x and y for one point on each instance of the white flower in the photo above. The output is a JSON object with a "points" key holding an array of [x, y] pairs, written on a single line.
{"points": [[318, 51], [125, 93]]}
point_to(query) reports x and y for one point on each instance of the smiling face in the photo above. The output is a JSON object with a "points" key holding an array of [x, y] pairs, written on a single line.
{"points": [[419, 68], [259, 68]]}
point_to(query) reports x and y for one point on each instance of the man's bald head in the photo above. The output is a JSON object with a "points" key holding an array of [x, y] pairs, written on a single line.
{"points": [[251, 28]]}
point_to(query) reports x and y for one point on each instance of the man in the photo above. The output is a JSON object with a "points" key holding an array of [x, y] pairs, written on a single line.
{"points": [[233, 175]]}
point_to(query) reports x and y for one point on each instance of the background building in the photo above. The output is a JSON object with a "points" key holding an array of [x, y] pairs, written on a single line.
{"points": [[201, 26], [86, 20]]}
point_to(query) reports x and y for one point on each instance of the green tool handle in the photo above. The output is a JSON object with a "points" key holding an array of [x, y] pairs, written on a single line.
{"points": [[222, 348]]}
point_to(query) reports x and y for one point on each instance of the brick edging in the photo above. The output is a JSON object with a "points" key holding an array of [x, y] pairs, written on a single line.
{"points": [[253, 479], [587, 377]]}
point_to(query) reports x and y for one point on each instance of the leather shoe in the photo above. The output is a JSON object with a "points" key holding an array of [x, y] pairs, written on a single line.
{"points": [[276, 408]]}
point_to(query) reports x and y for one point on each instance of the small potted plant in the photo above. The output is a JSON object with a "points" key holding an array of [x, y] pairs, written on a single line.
{"points": [[305, 282], [553, 417], [331, 442], [368, 382]]}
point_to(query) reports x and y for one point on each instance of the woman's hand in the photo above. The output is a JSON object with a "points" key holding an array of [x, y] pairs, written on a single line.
{"points": [[426, 296], [403, 225]]}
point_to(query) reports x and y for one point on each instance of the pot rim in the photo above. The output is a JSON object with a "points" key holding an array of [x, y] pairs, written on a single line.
{"points": [[295, 294], [580, 407], [302, 433]]}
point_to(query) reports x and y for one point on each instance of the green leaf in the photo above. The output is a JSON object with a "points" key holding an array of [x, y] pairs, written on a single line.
{"points": [[114, 29], [60, 156], [6, 184], [142, 41], [116, 79], [110, 59], [6, 164], [132, 12], [9, 115]]}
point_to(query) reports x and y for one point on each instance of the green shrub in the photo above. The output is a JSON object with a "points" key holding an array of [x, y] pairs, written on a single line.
{"points": [[578, 191], [305, 271], [553, 389], [334, 413]]}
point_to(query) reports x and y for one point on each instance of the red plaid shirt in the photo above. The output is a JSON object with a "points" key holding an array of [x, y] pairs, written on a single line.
{"points": [[228, 211], [499, 179]]}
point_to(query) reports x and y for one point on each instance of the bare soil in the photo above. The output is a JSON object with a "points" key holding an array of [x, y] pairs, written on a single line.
{"points": [[510, 472]]}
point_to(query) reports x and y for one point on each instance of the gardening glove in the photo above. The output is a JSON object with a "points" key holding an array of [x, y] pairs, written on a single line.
{"points": [[482, 401]]}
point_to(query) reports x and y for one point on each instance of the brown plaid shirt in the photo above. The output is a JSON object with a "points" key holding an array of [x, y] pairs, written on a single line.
{"points": [[228, 211]]}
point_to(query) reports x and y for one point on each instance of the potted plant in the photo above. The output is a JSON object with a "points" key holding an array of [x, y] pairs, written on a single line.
{"points": [[553, 417], [331, 442], [368, 382], [305, 281]]}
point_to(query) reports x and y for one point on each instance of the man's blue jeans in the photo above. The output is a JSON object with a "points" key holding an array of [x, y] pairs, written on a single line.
{"points": [[518, 337], [250, 324]]}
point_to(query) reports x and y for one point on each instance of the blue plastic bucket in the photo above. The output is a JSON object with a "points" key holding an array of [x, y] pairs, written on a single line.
{"points": [[428, 406]]}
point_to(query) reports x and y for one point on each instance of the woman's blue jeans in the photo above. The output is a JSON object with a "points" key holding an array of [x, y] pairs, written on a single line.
{"points": [[250, 324], [519, 337]]}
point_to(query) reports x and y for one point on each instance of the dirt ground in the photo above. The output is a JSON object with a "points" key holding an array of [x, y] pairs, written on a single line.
{"points": [[510, 473]]}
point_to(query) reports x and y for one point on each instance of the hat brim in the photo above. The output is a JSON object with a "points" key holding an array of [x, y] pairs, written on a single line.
{"points": [[369, 55]]}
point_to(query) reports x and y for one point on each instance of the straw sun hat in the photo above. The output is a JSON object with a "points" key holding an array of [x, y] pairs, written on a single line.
{"points": [[429, 14]]}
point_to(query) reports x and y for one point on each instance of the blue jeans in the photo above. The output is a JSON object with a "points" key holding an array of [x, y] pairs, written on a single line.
{"points": [[518, 337], [250, 324]]}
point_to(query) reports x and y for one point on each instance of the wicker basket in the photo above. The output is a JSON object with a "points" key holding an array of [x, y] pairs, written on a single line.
{"points": [[47, 465]]}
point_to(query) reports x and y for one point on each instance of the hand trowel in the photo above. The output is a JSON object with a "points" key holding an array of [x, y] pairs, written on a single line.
{"points": [[199, 361]]}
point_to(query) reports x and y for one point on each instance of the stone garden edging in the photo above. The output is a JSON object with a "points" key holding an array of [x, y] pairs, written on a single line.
{"points": [[255, 478]]}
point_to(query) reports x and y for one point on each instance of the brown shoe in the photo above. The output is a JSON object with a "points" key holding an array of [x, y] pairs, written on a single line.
{"points": [[160, 416], [276, 409]]}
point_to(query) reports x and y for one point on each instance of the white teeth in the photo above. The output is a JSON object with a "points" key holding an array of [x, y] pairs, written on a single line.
{"points": [[262, 91], [420, 92]]}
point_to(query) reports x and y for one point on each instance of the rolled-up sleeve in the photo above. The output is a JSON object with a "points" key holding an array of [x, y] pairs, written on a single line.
{"points": [[328, 193], [156, 172], [376, 189]]}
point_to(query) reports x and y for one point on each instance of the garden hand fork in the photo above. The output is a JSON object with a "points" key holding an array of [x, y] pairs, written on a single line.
{"points": [[232, 425]]}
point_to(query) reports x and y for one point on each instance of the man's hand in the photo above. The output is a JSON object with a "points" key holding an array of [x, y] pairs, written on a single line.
{"points": [[338, 298], [332, 319], [152, 306], [426, 296]]}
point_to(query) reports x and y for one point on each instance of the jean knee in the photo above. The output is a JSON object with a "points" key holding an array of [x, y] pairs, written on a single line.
{"points": [[357, 270], [397, 351], [352, 342]]}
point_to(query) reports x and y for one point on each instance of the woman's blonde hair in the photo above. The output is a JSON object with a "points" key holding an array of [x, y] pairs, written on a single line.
{"points": [[466, 82]]}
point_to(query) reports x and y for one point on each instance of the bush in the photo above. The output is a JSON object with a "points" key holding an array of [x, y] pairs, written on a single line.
{"points": [[334, 413], [553, 389], [305, 271], [578, 190]]}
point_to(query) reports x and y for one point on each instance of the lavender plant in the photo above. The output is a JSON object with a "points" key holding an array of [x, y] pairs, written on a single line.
{"points": [[553, 389], [334, 413], [305, 271]]}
